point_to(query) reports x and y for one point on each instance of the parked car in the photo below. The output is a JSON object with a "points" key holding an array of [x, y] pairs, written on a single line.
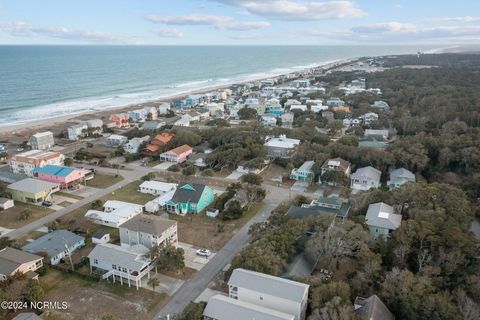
{"points": [[203, 252], [47, 203]]}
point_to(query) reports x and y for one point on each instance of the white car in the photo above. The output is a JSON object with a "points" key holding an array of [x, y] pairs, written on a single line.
{"points": [[204, 252]]}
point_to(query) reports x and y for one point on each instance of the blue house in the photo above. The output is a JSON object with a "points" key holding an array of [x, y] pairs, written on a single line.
{"points": [[179, 104], [190, 198]]}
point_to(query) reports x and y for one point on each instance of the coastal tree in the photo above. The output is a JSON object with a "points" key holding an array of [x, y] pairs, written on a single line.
{"points": [[247, 113]]}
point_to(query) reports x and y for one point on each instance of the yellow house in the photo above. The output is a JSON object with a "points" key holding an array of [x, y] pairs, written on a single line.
{"points": [[32, 191]]}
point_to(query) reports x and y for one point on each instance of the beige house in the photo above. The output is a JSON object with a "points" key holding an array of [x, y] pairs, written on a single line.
{"points": [[14, 260], [27, 161], [32, 191]]}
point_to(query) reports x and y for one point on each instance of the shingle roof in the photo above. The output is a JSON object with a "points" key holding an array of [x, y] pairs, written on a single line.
{"points": [[11, 259], [53, 243], [148, 224], [369, 172], [223, 308], [109, 253], [372, 308], [54, 170], [381, 215], [188, 192], [180, 150], [264, 283]]}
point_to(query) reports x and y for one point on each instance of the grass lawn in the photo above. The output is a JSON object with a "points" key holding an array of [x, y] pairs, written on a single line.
{"points": [[10, 218], [91, 299], [103, 181], [68, 195], [202, 231], [64, 204], [20, 242], [129, 193]]}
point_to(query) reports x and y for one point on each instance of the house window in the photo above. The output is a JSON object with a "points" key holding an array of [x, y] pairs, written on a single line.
{"points": [[261, 298], [114, 267], [95, 261]]}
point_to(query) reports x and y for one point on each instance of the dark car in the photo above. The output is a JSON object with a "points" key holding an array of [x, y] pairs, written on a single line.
{"points": [[47, 203]]}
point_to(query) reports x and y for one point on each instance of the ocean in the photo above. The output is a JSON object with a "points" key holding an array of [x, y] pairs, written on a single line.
{"points": [[40, 82]]}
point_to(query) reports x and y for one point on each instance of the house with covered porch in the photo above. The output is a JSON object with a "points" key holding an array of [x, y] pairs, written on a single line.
{"points": [[64, 176], [190, 198]]}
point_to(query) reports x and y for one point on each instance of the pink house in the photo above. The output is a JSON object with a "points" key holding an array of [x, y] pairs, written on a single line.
{"points": [[120, 119], [65, 176], [177, 155]]}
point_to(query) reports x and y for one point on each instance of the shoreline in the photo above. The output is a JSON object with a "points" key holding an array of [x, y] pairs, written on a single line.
{"points": [[19, 129]]}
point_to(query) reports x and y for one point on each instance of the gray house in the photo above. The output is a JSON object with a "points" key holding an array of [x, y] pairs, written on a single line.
{"points": [[372, 308], [333, 206], [365, 178], [400, 176], [382, 220], [57, 245], [149, 231]]}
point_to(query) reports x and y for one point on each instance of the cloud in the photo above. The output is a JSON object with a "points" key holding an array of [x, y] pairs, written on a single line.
{"points": [[247, 36], [219, 22], [168, 33], [299, 10], [454, 19], [22, 29], [396, 32]]}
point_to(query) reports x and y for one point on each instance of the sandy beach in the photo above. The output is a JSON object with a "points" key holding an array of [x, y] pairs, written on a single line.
{"points": [[18, 133]]}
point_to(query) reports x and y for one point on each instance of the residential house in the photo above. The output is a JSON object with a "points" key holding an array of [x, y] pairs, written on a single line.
{"points": [[114, 213], [156, 187], [301, 83], [183, 121], [269, 120], [382, 133], [164, 108], [6, 203], [84, 129], [287, 119], [399, 177], [281, 147], [318, 108], [14, 261], [24, 163], [220, 307], [270, 292], [177, 155], [372, 308], [116, 140], [291, 102], [333, 206], [198, 159], [27, 316], [41, 141], [304, 173], [148, 231], [133, 146], [381, 220], [192, 116], [190, 198], [153, 125], [160, 202], [345, 109], [382, 105], [329, 116], [32, 191], [57, 245], [120, 119], [336, 164], [156, 144], [65, 177], [335, 102], [151, 113], [275, 109], [376, 142], [100, 237], [365, 178], [301, 107], [138, 115], [204, 113], [369, 118], [129, 265]]}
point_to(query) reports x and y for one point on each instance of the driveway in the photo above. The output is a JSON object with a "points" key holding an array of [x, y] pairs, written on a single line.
{"points": [[192, 260], [300, 186], [207, 294], [164, 166], [168, 285], [235, 175]]}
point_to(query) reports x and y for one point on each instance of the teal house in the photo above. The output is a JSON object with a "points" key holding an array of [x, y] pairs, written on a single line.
{"points": [[190, 198], [381, 220], [304, 173]]}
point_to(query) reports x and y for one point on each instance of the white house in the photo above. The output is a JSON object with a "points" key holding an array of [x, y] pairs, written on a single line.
{"points": [[369, 118], [114, 213], [301, 107], [77, 131], [129, 265], [133, 146], [399, 177], [269, 120], [149, 231], [100, 237], [318, 108], [280, 147], [41, 140], [160, 202], [156, 187], [164, 108], [27, 161], [270, 292], [14, 261], [365, 178], [116, 140]]}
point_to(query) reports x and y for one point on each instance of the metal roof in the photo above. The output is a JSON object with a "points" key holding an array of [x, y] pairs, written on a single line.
{"points": [[32, 185], [223, 308], [54, 170], [133, 258], [267, 284], [11, 259], [381, 215], [53, 243]]}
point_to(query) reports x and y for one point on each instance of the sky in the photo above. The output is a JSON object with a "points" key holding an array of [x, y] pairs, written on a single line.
{"points": [[240, 22]]}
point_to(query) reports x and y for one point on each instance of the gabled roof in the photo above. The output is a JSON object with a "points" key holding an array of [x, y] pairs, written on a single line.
{"points": [[180, 150], [401, 173], [267, 284], [53, 170], [343, 164], [188, 192], [369, 172], [223, 308], [53, 243], [133, 258], [32, 185], [11, 259], [372, 308], [148, 224], [382, 215]]}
